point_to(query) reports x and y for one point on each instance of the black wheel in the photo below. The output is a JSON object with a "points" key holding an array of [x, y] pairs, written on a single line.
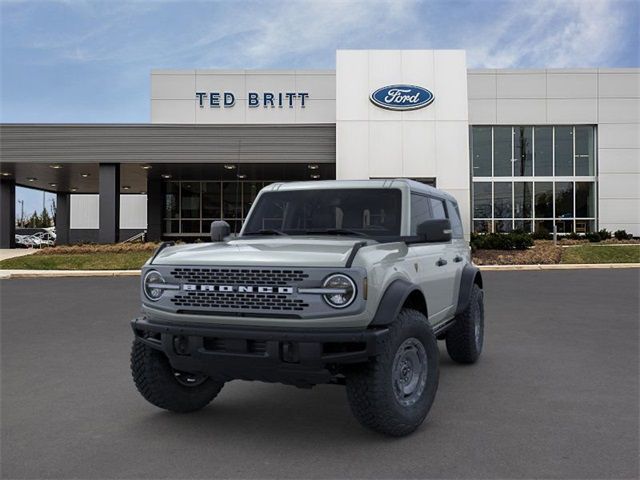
{"points": [[167, 388], [464, 339], [394, 392]]}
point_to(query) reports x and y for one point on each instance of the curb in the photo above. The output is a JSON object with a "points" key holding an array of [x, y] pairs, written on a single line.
{"points": [[559, 266], [8, 274]]}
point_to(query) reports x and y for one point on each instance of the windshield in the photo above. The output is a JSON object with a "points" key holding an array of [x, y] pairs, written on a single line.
{"points": [[365, 212]]}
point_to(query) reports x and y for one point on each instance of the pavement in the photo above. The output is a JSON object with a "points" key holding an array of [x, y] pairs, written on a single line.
{"points": [[7, 253], [555, 394]]}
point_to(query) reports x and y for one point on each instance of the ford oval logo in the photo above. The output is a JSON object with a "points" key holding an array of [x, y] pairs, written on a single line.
{"points": [[402, 97]]}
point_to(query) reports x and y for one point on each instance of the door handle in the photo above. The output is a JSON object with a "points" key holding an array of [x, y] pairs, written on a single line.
{"points": [[457, 259], [441, 262]]}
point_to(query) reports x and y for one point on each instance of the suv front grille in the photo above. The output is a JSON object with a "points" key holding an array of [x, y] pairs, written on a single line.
{"points": [[234, 276], [238, 301]]}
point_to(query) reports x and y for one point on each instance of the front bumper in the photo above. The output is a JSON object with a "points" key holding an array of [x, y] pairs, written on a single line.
{"points": [[249, 353]]}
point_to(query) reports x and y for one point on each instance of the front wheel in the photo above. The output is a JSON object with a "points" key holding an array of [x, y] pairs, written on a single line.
{"points": [[167, 388], [394, 392]]}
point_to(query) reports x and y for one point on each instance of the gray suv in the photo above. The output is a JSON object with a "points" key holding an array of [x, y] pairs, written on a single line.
{"points": [[343, 282]]}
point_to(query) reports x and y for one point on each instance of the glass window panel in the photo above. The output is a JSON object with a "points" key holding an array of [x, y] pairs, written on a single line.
{"points": [[564, 150], [482, 200], [523, 156], [543, 151], [171, 200], [437, 208], [564, 226], [190, 226], [171, 226], [231, 201], [481, 151], [523, 225], [249, 193], [420, 211], [543, 226], [482, 226], [585, 199], [585, 226], [523, 198], [503, 226], [502, 207], [543, 200], [211, 200], [584, 151], [564, 200], [190, 200], [502, 151], [456, 222]]}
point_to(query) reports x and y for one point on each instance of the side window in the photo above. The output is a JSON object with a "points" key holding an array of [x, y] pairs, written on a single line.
{"points": [[437, 207], [456, 223], [420, 211]]}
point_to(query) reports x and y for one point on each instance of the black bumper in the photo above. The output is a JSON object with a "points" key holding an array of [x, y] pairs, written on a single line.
{"points": [[272, 355]]}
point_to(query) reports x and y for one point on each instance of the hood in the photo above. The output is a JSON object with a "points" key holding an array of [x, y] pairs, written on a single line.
{"points": [[268, 251]]}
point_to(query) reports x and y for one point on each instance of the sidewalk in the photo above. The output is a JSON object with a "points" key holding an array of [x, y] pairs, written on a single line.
{"points": [[6, 274], [7, 253]]}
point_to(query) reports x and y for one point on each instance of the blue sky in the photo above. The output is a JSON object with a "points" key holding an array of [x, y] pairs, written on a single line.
{"points": [[89, 60]]}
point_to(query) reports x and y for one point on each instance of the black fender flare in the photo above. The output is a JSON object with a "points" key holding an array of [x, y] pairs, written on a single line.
{"points": [[392, 301], [470, 275]]}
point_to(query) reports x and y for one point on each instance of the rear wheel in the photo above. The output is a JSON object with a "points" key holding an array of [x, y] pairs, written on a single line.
{"points": [[465, 338], [167, 388], [394, 392]]}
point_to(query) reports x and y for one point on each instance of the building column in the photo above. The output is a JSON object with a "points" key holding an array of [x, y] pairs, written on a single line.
{"points": [[63, 217], [7, 213], [154, 209], [109, 190]]}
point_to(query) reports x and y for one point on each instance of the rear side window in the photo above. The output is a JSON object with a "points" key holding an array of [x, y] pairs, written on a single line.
{"points": [[454, 217], [420, 211], [437, 208]]}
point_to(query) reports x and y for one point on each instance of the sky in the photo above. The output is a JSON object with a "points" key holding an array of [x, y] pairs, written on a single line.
{"points": [[89, 61]]}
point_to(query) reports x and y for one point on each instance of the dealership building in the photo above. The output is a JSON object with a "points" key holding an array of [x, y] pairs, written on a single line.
{"points": [[519, 149]]}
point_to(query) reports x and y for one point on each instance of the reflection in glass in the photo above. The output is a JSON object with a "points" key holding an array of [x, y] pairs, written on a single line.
{"points": [[502, 226], [543, 151], [190, 226], [481, 151], [211, 200], [482, 200], [564, 151], [482, 226], [543, 200], [564, 199], [523, 152], [585, 199], [171, 200], [584, 151], [564, 226], [231, 201], [523, 193], [544, 226], [523, 225], [249, 193], [502, 157], [190, 200], [502, 207]]}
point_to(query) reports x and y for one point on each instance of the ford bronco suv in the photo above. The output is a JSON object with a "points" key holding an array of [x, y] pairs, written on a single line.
{"points": [[343, 282]]}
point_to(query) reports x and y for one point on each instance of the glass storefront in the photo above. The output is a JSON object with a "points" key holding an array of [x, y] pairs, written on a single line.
{"points": [[532, 178], [191, 206]]}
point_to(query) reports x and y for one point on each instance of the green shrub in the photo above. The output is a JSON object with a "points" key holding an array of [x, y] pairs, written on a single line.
{"points": [[604, 234], [593, 237], [622, 235], [574, 236], [516, 240]]}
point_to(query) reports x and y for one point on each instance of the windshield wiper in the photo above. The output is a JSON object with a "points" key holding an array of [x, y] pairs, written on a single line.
{"points": [[266, 231], [336, 231]]}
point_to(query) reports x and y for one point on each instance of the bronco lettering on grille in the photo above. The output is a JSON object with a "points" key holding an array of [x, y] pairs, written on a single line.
{"points": [[237, 288]]}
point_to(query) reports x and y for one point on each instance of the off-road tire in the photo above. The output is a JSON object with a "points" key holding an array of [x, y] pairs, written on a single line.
{"points": [[156, 382], [462, 345], [370, 388]]}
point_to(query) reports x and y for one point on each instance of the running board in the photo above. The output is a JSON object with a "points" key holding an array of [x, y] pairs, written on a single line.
{"points": [[443, 327]]}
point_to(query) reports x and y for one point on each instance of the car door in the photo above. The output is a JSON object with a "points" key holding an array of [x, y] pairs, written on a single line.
{"points": [[432, 263]]}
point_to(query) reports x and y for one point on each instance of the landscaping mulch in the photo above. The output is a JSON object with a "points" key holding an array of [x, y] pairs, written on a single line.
{"points": [[544, 252]]}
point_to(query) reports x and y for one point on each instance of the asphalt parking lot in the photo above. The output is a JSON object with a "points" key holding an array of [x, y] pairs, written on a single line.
{"points": [[555, 395]]}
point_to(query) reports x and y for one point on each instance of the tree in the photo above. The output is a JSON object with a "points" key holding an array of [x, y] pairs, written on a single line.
{"points": [[45, 219]]}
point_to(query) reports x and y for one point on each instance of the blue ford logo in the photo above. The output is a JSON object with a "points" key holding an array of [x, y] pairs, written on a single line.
{"points": [[402, 97]]}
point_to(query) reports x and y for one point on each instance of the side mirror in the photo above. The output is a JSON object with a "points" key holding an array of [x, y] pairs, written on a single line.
{"points": [[434, 230], [219, 230]]}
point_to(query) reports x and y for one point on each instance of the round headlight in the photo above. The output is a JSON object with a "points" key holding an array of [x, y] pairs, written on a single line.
{"points": [[150, 285], [344, 290]]}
